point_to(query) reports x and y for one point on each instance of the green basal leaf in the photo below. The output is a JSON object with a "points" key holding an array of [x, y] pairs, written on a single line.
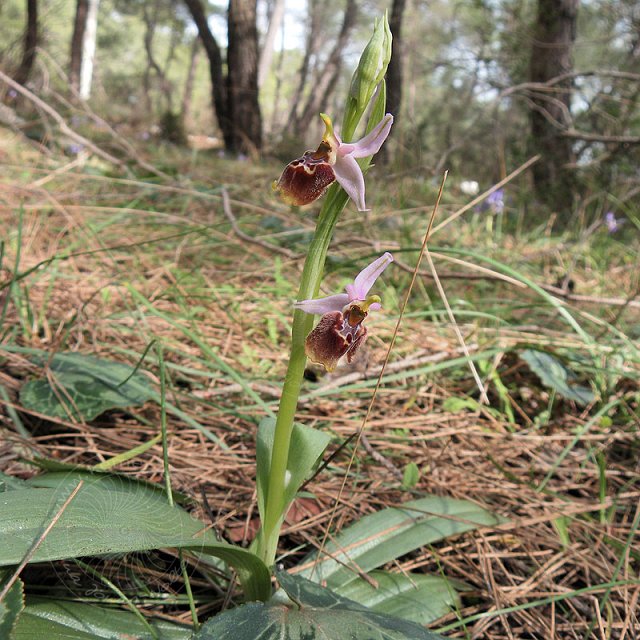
{"points": [[313, 612], [59, 620], [7, 483], [417, 597], [111, 515], [10, 607], [82, 387], [556, 376], [307, 447], [64, 472], [388, 534]]}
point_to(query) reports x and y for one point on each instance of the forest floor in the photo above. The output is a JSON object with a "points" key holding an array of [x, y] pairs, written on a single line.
{"points": [[104, 263]]}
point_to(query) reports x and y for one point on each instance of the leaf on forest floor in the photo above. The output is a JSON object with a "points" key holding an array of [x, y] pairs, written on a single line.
{"points": [[555, 375], [81, 387]]}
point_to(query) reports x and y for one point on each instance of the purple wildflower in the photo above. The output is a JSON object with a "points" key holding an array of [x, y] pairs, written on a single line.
{"points": [[495, 201], [613, 223]]}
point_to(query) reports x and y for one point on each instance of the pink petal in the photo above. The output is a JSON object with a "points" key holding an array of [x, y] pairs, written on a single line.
{"points": [[349, 176], [367, 277], [321, 306], [371, 143]]}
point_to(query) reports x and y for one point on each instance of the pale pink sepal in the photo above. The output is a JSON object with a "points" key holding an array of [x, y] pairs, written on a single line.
{"points": [[349, 176], [357, 291], [367, 277], [321, 306], [371, 143], [347, 171]]}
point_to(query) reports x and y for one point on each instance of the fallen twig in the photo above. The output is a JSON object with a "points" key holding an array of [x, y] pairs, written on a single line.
{"points": [[226, 207]]}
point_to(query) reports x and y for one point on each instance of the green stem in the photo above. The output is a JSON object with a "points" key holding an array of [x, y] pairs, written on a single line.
{"points": [[275, 508], [302, 325]]}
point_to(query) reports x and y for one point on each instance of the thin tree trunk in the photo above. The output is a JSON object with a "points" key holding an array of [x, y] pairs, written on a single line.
{"points": [[30, 43], [218, 86], [278, 90], [554, 36], [312, 45], [266, 55], [324, 85], [242, 78], [190, 82], [89, 49], [152, 64], [77, 41], [394, 70]]}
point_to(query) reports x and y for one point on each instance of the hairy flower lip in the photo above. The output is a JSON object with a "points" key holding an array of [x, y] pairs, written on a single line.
{"points": [[336, 336]]}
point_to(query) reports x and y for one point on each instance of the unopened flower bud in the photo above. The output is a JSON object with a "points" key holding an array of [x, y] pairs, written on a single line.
{"points": [[371, 70]]}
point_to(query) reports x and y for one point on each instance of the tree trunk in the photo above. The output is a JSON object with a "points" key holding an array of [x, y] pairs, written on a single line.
{"points": [[218, 86], [30, 43], [152, 64], [394, 70], [89, 49], [312, 45], [185, 110], [266, 55], [242, 77], [550, 115], [77, 40], [324, 85]]}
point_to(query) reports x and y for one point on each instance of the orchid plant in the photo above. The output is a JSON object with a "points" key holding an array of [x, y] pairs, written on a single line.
{"points": [[287, 453], [337, 160]]}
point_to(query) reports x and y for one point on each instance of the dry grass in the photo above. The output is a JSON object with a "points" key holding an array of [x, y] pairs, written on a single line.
{"points": [[565, 565]]}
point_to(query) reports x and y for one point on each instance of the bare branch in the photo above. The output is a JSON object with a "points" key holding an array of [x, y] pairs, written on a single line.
{"points": [[597, 137]]}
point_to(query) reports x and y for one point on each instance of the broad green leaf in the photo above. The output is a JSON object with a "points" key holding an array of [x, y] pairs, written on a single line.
{"points": [[112, 515], [556, 376], [388, 534], [7, 483], [82, 387], [62, 472], [306, 449], [10, 607], [304, 592], [417, 597], [314, 613], [59, 620]]}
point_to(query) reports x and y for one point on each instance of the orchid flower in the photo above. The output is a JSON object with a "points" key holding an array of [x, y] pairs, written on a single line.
{"points": [[340, 331], [306, 179]]}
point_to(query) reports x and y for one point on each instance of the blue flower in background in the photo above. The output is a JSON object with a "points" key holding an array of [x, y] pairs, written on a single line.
{"points": [[613, 223], [74, 149], [495, 201]]}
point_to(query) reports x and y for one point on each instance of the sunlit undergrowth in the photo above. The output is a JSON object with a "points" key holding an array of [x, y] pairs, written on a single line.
{"points": [[208, 268]]}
